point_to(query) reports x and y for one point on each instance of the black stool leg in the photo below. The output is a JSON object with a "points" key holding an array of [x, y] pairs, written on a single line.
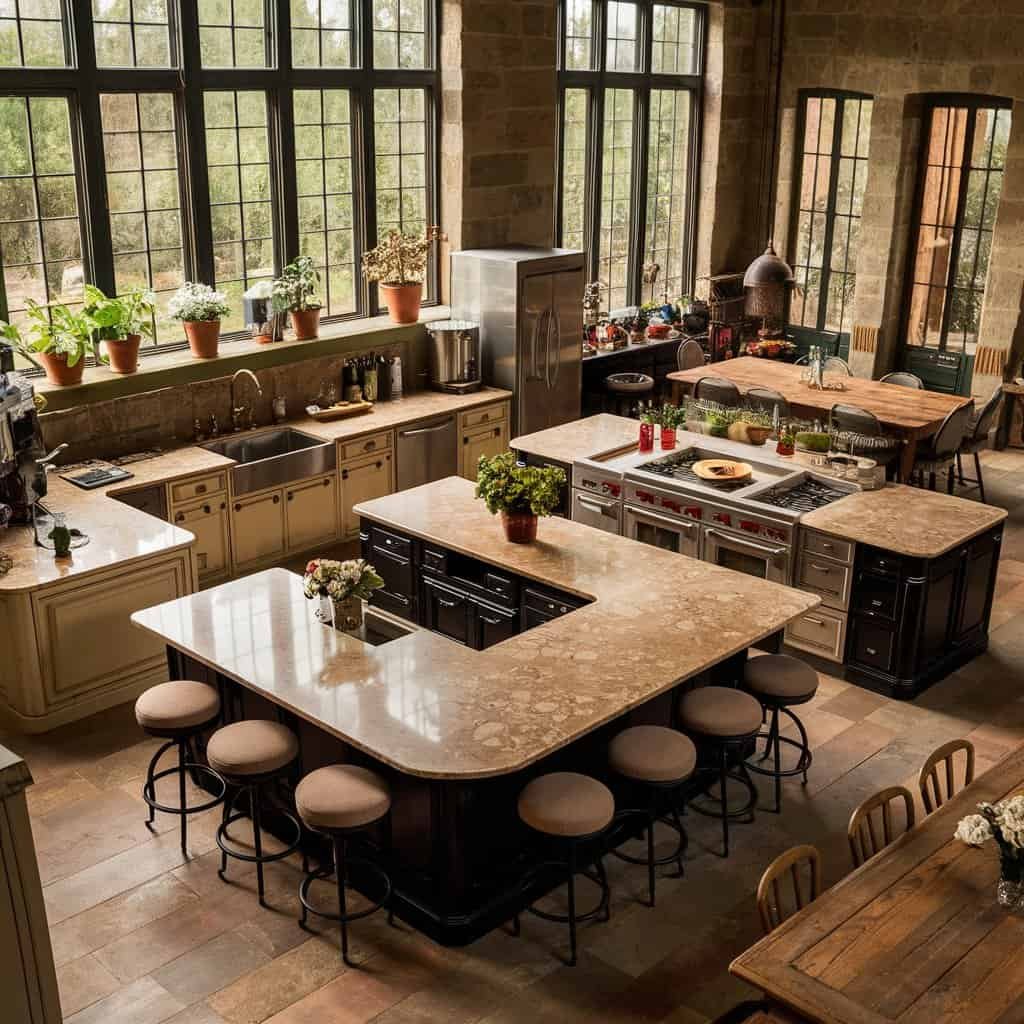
{"points": [[183, 797], [684, 839], [723, 767], [228, 804], [151, 786], [778, 760], [339, 873], [960, 468], [650, 856], [981, 481], [572, 904], [257, 839]]}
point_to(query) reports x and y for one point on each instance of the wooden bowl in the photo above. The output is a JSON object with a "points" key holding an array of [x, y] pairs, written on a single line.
{"points": [[722, 470]]}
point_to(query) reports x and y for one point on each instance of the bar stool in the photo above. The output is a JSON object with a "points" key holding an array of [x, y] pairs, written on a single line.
{"points": [[249, 755], [571, 809], [723, 721], [779, 683], [658, 760], [178, 711], [626, 390], [340, 801]]}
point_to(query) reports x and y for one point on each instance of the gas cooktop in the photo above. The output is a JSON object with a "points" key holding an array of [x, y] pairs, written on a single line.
{"points": [[679, 466], [805, 496]]}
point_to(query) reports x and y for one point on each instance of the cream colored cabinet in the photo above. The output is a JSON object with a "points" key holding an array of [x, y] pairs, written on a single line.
{"points": [[488, 440], [258, 528], [207, 521], [311, 512], [363, 480]]}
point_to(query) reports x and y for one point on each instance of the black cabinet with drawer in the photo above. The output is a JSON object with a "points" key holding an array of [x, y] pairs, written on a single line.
{"points": [[394, 557]]}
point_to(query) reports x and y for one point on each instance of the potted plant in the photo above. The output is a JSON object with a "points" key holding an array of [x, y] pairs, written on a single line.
{"points": [[59, 340], [120, 323], [521, 494], [717, 423], [786, 444], [200, 309], [342, 587], [294, 291], [398, 264]]}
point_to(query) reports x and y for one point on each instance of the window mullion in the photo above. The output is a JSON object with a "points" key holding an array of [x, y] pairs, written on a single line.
{"points": [[638, 222], [286, 237], [595, 156], [830, 214], [958, 225]]}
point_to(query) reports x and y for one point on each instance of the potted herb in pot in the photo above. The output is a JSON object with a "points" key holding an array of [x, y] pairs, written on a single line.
{"points": [[521, 494], [399, 264], [200, 309], [59, 341], [120, 323], [294, 291]]}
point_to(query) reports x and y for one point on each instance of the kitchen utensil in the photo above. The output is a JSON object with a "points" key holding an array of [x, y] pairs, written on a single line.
{"points": [[338, 412]]}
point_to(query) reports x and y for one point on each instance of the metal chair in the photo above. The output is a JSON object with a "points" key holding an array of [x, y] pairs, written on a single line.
{"points": [[932, 794], [690, 354], [862, 831], [833, 364], [978, 429], [717, 389], [768, 400], [854, 420], [940, 453], [904, 379], [770, 903]]}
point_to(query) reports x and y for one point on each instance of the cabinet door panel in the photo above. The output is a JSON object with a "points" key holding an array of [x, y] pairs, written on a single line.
{"points": [[446, 612], [208, 522], [311, 513], [489, 441], [257, 527], [363, 481], [977, 586]]}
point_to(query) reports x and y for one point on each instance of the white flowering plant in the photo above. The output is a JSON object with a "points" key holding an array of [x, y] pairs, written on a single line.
{"points": [[328, 577], [1003, 822], [196, 302]]}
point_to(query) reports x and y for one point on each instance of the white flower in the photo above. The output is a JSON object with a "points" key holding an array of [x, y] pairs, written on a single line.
{"points": [[197, 302], [1010, 814], [973, 830]]}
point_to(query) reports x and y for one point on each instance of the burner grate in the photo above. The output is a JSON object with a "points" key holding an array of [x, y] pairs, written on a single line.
{"points": [[806, 496]]}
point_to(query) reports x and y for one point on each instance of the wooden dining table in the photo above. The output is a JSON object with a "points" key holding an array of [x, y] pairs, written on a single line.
{"points": [[914, 935], [908, 413]]}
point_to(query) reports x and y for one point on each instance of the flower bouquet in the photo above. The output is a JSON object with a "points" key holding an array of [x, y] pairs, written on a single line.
{"points": [[1003, 822], [341, 587]]}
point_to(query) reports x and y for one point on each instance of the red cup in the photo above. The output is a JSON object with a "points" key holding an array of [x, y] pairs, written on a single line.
{"points": [[668, 438], [647, 437]]}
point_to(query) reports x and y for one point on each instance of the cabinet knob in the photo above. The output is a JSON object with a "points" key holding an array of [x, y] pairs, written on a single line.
{"points": [[238, 507], [180, 517], [200, 488], [206, 510], [277, 499], [379, 464], [223, 505], [497, 431], [290, 496], [369, 446], [327, 481], [870, 650], [344, 474]]}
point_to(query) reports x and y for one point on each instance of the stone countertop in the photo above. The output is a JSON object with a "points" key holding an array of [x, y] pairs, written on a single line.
{"points": [[119, 534], [433, 708], [590, 438], [908, 520]]}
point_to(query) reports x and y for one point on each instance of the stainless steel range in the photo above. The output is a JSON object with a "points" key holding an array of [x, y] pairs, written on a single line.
{"points": [[749, 526]]}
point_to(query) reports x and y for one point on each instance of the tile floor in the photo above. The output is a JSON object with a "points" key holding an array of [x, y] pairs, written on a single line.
{"points": [[141, 936]]}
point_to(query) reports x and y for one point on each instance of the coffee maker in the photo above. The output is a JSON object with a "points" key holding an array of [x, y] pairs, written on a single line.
{"points": [[22, 455]]}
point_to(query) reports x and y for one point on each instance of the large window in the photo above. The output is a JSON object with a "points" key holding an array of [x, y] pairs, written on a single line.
{"points": [[630, 95], [834, 133], [960, 181], [148, 142]]}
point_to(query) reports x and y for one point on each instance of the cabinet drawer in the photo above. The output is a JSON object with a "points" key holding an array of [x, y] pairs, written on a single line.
{"points": [[393, 543], [822, 632], [208, 523], [815, 543], [873, 643], [484, 415], [436, 560], [548, 604], [503, 586], [831, 580], [198, 487], [365, 445], [881, 562], [493, 625], [877, 594], [446, 611]]}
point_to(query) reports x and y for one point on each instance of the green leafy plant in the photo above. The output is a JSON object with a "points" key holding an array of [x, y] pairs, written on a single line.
{"points": [[400, 259], [812, 441], [718, 423], [671, 416], [518, 490], [54, 330], [197, 302], [131, 313], [296, 287]]}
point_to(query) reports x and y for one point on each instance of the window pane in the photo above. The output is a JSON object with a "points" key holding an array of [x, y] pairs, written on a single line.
{"points": [[616, 191], [668, 176], [399, 34], [621, 50], [579, 20], [40, 233], [241, 208], [674, 40], [32, 34], [401, 172], [131, 33], [233, 34], [574, 169], [321, 33], [323, 165]]}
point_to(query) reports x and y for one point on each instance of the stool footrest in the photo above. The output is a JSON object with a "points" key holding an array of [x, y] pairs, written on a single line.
{"points": [[327, 871], [149, 787], [266, 858]]}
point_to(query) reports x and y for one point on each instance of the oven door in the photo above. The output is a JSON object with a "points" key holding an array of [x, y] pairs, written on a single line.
{"points": [[734, 551], [600, 513], [660, 531]]}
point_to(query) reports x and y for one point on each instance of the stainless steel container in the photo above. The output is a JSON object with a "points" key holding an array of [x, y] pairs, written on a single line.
{"points": [[454, 355]]}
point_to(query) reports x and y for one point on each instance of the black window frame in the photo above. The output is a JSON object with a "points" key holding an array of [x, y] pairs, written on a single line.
{"points": [[83, 83], [597, 82]]}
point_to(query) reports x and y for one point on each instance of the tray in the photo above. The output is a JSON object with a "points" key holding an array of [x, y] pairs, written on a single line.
{"points": [[722, 470], [340, 411]]}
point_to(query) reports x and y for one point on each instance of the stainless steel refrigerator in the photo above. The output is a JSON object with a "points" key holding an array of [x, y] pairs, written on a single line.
{"points": [[529, 304]]}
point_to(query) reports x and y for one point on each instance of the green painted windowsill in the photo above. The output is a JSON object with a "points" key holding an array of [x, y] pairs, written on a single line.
{"points": [[166, 369]]}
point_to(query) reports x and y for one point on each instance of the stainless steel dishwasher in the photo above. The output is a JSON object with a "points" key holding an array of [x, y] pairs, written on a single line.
{"points": [[427, 451]]}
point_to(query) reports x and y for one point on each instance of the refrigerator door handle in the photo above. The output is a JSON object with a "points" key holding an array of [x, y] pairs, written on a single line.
{"points": [[558, 347], [547, 348], [532, 373]]}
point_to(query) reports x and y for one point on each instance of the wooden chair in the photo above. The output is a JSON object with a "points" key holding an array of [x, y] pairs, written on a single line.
{"points": [[863, 831], [770, 903], [929, 782]]}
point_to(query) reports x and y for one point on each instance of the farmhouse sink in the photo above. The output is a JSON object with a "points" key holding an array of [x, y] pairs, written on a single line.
{"points": [[272, 458]]}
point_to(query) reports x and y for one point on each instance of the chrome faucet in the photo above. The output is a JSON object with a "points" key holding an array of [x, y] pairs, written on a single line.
{"points": [[238, 412]]}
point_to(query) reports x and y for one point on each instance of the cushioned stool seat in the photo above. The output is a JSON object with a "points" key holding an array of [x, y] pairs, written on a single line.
{"points": [[566, 804], [780, 677], [253, 747], [179, 704], [719, 712], [652, 753], [342, 796]]}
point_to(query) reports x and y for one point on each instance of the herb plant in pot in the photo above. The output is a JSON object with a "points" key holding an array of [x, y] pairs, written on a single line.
{"points": [[59, 341], [399, 264], [521, 494], [294, 291], [120, 324], [200, 309]]}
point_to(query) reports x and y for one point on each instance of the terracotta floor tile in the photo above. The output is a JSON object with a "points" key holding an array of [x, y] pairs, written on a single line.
{"points": [[854, 703], [142, 1002], [200, 1013], [82, 982], [209, 967], [57, 791]]}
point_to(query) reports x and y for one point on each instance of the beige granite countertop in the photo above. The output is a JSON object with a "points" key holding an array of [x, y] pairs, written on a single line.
{"points": [[907, 520], [432, 708], [590, 438], [120, 534]]}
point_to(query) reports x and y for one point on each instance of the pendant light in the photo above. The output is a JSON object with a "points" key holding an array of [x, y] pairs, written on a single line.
{"points": [[768, 284]]}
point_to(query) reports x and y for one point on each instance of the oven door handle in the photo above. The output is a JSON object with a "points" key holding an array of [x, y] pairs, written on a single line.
{"points": [[679, 524], [595, 505], [749, 545]]}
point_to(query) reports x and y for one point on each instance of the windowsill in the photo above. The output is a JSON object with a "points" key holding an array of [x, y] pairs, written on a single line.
{"points": [[164, 369]]}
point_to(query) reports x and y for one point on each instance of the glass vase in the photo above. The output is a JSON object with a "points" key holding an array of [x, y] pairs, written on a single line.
{"points": [[346, 615], [1011, 875]]}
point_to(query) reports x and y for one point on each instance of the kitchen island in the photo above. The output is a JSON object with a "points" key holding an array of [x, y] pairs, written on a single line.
{"points": [[459, 731]]}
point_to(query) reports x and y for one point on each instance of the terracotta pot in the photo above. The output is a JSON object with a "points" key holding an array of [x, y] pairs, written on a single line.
{"points": [[57, 369], [306, 323], [520, 527], [203, 337], [403, 301], [124, 353]]}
